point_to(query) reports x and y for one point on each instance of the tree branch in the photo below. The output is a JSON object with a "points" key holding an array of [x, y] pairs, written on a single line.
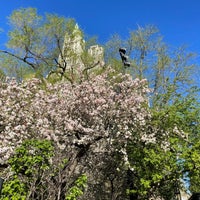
{"points": [[19, 58]]}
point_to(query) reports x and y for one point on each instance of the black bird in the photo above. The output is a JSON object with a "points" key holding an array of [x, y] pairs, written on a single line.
{"points": [[122, 52]]}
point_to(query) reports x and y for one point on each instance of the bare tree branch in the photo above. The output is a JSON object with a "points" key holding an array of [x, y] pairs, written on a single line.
{"points": [[20, 58]]}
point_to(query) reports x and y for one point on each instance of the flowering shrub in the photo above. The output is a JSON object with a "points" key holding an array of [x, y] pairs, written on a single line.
{"points": [[70, 114], [90, 124]]}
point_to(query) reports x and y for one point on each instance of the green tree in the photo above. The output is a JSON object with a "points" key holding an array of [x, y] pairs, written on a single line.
{"points": [[169, 160], [169, 71], [35, 41], [38, 46], [33, 174], [174, 108], [28, 164]]}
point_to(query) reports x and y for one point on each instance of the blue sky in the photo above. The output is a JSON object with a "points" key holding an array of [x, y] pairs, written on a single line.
{"points": [[178, 21]]}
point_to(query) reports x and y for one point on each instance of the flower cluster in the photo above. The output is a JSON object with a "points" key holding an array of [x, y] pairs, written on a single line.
{"points": [[71, 115]]}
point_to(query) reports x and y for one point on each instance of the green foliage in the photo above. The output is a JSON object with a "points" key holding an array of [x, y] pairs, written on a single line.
{"points": [[192, 165], [2, 76], [28, 163], [78, 188], [174, 156], [35, 42], [14, 189], [24, 22], [169, 71], [153, 166], [174, 110], [31, 157], [12, 67]]}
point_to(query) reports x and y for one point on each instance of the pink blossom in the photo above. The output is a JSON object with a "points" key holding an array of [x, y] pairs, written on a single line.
{"points": [[101, 109]]}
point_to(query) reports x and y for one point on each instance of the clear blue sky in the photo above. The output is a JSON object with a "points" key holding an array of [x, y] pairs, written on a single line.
{"points": [[178, 21]]}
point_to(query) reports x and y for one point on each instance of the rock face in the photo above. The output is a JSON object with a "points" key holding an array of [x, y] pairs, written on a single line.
{"points": [[74, 48], [97, 53]]}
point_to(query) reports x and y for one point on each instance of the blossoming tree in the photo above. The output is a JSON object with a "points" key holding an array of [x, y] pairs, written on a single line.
{"points": [[102, 128]]}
